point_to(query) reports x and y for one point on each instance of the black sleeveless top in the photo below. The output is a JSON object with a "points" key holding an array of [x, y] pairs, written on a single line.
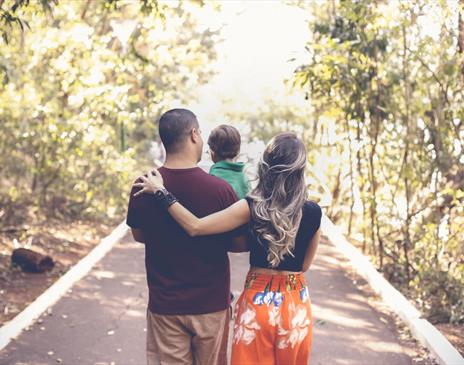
{"points": [[310, 223]]}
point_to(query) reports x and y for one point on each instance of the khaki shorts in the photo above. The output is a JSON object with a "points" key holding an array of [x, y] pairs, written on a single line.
{"points": [[199, 339]]}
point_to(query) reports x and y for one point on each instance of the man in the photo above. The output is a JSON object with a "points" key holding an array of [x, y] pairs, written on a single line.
{"points": [[188, 277]]}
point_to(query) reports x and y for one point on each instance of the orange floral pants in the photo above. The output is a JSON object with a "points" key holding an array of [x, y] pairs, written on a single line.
{"points": [[273, 321]]}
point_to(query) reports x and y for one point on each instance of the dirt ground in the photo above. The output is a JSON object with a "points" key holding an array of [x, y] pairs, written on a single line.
{"points": [[65, 242]]}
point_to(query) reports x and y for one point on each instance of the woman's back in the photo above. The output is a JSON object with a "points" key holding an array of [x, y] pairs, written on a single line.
{"points": [[273, 314], [309, 224]]}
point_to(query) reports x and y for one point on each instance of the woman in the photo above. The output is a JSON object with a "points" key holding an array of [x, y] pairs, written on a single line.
{"points": [[273, 314]]}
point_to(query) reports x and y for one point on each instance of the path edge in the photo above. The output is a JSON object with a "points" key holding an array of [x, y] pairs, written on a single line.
{"points": [[427, 334], [52, 294]]}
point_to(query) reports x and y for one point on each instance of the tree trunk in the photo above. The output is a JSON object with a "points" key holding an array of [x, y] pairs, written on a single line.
{"points": [[362, 184], [406, 243], [350, 147], [84, 10], [374, 135], [461, 32]]}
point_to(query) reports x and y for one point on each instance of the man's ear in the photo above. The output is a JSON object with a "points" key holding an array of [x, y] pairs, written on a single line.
{"points": [[195, 135]]}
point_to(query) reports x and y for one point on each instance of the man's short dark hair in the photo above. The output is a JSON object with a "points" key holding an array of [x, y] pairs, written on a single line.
{"points": [[225, 142], [174, 126]]}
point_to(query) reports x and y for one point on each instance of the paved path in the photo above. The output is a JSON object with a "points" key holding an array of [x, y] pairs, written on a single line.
{"points": [[102, 321]]}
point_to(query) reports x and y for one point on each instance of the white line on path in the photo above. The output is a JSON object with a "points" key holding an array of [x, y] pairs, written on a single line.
{"points": [[50, 296], [421, 329]]}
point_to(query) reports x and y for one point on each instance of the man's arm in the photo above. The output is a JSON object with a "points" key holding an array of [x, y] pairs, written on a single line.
{"points": [[135, 215], [238, 244], [138, 235], [315, 222], [311, 250]]}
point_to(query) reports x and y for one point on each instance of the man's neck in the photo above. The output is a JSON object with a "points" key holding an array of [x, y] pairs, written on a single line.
{"points": [[177, 162]]}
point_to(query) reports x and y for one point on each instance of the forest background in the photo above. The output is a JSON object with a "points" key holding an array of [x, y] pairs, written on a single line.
{"points": [[380, 106]]}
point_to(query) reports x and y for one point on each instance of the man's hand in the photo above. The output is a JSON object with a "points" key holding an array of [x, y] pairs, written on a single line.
{"points": [[150, 184]]}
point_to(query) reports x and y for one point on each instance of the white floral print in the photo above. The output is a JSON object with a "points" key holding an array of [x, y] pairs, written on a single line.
{"points": [[245, 328], [290, 332], [274, 315], [299, 327], [274, 309]]}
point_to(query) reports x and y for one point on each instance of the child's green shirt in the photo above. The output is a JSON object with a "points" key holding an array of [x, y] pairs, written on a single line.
{"points": [[232, 172]]}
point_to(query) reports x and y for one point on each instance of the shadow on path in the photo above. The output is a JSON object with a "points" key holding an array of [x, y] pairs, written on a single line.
{"points": [[102, 321]]}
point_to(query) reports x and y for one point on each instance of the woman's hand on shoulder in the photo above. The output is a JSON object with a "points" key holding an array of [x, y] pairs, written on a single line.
{"points": [[150, 183]]}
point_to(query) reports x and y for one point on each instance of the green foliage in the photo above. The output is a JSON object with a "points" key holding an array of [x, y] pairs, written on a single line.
{"points": [[392, 92], [79, 96], [11, 14]]}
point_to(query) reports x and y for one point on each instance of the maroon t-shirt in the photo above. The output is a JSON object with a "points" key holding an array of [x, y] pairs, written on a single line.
{"points": [[185, 275]]}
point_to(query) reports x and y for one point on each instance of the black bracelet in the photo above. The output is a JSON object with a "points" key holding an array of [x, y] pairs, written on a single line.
{"points": [[165, 198]]}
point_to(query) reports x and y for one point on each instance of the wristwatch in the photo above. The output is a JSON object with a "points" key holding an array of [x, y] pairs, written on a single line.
{"points": [[165, 198]]}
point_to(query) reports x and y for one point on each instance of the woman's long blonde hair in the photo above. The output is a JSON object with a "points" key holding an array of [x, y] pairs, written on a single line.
{"points": [[279, 196]]}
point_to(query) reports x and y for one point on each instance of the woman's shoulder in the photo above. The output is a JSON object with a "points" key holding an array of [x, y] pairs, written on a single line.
{"points": [[312, 215], [249, 199], [312, 209]]}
